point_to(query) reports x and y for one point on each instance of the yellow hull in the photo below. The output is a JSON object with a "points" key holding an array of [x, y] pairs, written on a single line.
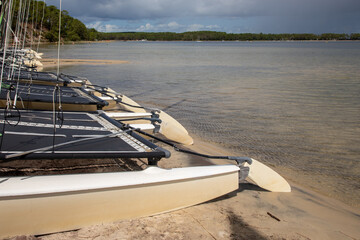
{"points": [[155, 191], [169, 128], [49, 106]]}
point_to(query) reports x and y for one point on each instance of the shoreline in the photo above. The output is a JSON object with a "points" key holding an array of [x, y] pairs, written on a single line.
{"points": [[108, 41], [49, 63], [292, 174], [248, 213]]}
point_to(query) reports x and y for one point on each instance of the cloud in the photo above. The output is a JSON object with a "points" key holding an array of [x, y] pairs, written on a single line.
{"points": [[175, 27], [200, 27], [172, 26], [99, 26], [156, 9], [259, 15], [195, 27], [148, 27], [212, 27], [145, 28]]}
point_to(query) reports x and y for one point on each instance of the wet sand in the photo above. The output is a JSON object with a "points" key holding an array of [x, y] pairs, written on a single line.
{"points": [[248, 213], [52, 62]]}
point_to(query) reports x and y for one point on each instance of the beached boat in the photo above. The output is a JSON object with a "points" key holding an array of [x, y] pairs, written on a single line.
{"points": [[27, 58], [78, 200], [31, 134], [119, 103], [36, 91], [45, 204], [43, 97], [42, 78]]}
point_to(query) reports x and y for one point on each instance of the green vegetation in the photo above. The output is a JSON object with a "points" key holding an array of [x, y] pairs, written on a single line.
{"points": [[72, 29], [219, 36]]}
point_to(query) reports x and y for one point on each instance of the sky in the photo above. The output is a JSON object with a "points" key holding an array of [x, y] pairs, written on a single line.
{"points": [[231, 16]]}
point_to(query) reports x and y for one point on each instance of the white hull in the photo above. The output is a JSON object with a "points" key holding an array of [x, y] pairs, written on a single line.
{"points": [[169, 127], [45, 204], [266, 178]]}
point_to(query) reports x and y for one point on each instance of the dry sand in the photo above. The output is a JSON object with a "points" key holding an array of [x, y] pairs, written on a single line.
{"points": [[248, 213]]}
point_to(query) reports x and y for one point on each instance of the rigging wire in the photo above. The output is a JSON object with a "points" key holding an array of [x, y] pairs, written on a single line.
{"points": [[36, 16], [42, 19], [24, 39], [6, 42], [17, 30], [32, 25], [26, 24], [57, 89], [43, 149], [58, 63], [23, 20]]}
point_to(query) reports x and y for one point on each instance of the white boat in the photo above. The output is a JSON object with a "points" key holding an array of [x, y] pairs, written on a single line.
{"points": [[47, 204], [170, 128]]}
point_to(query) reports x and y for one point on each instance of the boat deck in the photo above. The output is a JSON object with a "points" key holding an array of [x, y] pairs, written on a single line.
{"points": [[41, 97], [81, 135], [43, 78]]}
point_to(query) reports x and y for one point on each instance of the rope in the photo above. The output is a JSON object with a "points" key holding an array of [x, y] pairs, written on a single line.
{"points": [[57, 114], [8, 113], [2, 132]]}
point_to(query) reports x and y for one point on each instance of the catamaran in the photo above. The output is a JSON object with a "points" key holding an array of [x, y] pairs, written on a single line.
{"points": [[42, 117], [45, 204]]}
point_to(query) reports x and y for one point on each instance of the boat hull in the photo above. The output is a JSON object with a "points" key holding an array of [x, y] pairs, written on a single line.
{"points": [[169, 127], [56, 206], [37, 105]]}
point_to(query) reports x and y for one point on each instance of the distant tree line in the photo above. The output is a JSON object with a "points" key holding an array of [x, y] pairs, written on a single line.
{"points": [[219, 36], [41, 16]]}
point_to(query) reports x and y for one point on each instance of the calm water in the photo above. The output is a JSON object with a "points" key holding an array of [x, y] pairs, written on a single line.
{"points": [[289, 104]]}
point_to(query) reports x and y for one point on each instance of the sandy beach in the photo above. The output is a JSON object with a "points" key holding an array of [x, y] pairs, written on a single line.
{"points": [[248, 213]]}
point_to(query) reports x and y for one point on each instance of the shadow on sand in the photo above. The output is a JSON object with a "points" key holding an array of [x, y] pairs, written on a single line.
{"points": [[239, 228]]}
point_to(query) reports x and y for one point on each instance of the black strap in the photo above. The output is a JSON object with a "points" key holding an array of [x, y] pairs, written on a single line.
{"points": [[239, 160]]}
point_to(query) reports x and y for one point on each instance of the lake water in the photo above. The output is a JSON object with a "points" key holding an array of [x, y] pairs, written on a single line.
{"points": [[293, 105]]}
